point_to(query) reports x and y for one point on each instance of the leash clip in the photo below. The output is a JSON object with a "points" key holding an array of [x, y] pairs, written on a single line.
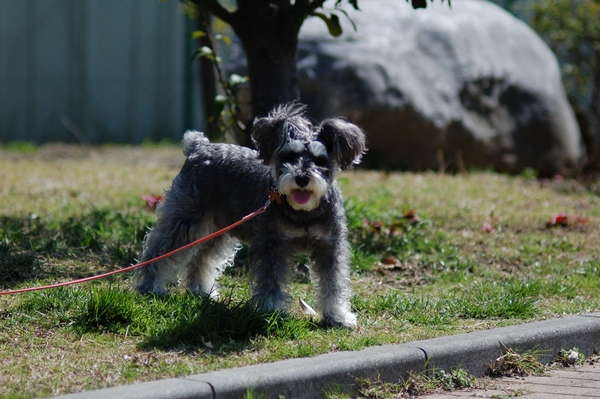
{"points": [[274, 195]]}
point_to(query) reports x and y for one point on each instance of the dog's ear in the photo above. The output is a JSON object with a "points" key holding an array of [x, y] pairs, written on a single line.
{"points": [[269, 132], [345, 141]]}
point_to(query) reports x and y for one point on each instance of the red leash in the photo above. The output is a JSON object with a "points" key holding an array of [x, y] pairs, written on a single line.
{"points": [[273, 196]]}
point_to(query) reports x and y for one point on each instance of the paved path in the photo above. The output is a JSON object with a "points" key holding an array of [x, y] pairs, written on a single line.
{"points": [[307, 378], [579, 382]]}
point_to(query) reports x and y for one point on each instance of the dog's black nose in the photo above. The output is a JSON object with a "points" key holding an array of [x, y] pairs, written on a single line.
{"points": [[302, 181]]}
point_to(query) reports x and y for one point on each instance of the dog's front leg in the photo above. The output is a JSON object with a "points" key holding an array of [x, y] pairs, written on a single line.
{"points": [[330, 268], [269, 273]]}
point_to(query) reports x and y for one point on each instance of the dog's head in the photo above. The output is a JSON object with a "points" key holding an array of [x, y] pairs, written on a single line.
{"points": [[305, 157]]}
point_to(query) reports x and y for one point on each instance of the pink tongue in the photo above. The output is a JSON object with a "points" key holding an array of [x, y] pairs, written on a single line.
{"points": [[301, 197]]}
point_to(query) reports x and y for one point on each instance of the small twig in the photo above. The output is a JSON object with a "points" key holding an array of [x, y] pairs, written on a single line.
{"points": [[231, 102]]}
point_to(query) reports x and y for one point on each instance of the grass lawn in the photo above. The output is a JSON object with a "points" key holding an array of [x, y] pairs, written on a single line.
{"points": [[433, 255]]}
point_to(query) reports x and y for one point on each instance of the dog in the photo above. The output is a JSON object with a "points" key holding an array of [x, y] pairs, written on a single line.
{"points": [[221, 183]]}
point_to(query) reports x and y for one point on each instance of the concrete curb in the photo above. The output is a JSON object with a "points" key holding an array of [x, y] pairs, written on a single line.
{"points": [[309, 377]]}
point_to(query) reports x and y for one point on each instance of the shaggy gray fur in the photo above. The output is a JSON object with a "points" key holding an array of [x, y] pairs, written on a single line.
{"points": [[221, 183]]}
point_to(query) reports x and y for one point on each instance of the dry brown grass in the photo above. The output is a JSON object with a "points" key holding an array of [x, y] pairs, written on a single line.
{"points": [[56, 178]]}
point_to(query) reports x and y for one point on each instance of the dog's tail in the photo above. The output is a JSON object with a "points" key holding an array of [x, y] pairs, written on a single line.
{"points": [[192, 140]]}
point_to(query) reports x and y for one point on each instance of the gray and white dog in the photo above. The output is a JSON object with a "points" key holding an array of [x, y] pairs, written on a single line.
{"points": [[221, 183]]}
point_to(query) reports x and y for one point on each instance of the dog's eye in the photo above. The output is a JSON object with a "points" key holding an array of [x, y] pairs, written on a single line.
{"points": [[322, 161], [288, 157]]}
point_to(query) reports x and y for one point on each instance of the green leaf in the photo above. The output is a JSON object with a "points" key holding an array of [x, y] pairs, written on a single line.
{"points": [[204, 51], [218, 106], [235, 80], [349, 19], [220, 99], [224, 38], [197, 34], [333, 23], [353, 3], [419, 4]]}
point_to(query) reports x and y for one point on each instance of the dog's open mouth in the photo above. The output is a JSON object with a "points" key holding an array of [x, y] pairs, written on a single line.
{"points": [[301, 197]]}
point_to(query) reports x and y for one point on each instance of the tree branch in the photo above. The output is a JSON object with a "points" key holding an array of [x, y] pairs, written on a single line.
{"points": [[312, 5], [216, 9], [306, 7]]}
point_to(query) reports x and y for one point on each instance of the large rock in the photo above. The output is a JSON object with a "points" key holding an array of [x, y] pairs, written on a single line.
{"points": [[469, 85]]}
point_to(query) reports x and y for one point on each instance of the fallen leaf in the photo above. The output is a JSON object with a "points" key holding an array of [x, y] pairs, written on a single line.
{"points": [[411, 215], [486, 227], [563, 220], [306, 309], [390, 261], [152, 200], [208, 344]]}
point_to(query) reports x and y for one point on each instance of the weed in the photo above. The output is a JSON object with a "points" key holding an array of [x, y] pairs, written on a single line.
{"points": [[377, 389], [570, 357], [337, 391], [251, 394], [431, 380], [420, 383], [455, 379], [512, 363], [516, 393]]}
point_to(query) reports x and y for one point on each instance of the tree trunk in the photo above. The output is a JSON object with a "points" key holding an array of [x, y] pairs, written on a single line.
{"points": [[272, 72], [268, 30]]}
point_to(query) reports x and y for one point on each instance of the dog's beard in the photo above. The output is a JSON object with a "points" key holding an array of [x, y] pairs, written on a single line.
{"points": [[302, 198]]}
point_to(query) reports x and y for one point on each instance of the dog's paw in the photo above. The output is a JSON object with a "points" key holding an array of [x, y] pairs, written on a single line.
{"points": [[273, 302], [212, 294], [148, 287], [346, 320], [158, 293]]}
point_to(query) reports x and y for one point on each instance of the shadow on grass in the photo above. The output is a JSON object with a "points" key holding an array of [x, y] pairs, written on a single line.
{"points": [[175, 322], [18, 267], [200, 323], [29, 245]]}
